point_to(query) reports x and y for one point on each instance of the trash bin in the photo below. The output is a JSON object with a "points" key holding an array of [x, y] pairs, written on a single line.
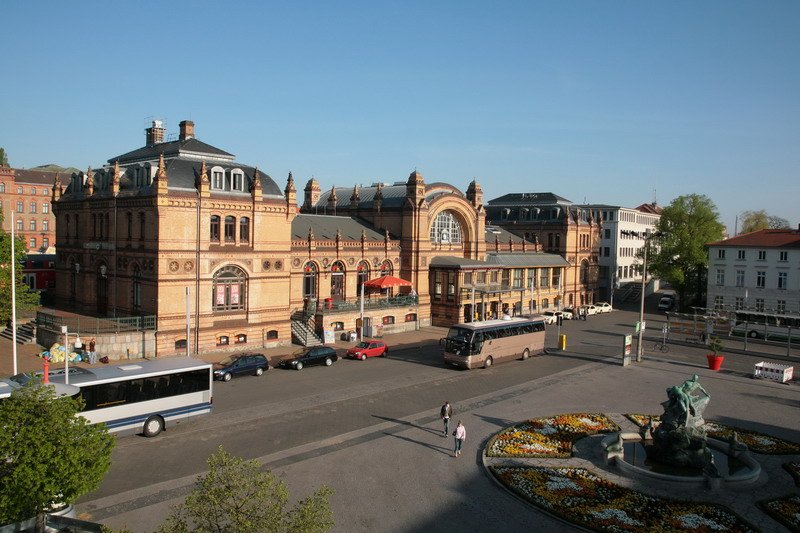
{"points": [[562, 342]]}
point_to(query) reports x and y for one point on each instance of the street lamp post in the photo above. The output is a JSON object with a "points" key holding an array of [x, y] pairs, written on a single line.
{"points": [[646, 236]]}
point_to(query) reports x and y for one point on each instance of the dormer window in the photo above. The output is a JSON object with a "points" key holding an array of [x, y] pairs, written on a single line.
{"points": [[237, 179], [217, 177]]}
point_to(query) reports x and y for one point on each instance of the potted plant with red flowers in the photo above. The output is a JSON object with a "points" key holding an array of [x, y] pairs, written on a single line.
{"points": [[714, 358]]}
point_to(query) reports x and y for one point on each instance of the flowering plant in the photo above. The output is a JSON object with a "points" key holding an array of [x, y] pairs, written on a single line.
{"points": [[548, 436], [581, 497], [755, 441], [785, 510], [794, 471]]}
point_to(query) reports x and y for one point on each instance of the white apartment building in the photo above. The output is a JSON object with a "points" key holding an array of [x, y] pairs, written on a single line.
{"points": [[618, 252], [759, 271]]}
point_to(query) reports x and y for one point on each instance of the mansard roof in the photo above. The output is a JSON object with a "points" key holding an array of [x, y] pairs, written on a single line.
{"points": [[526, 259], [528, 198], [394, 195], [192, 147], [491, 232], [325, 227], [181, 174]]}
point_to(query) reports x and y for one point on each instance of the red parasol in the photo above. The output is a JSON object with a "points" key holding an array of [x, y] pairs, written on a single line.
{"points": [[385, 282]]}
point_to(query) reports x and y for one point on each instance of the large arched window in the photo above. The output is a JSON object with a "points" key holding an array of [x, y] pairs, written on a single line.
{"points": [[230, 284], [136, 289], [386, 268], [214, 233], [310, 275], [584, 271], [363, 274], [337, 280], [446, 229], [230, 229]]}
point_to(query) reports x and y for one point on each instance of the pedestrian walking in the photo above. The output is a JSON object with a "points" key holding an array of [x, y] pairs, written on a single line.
{"points": [[460, 435], [446, 412]]}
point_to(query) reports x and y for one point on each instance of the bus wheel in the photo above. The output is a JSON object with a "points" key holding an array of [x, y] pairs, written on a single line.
{"points": [[487, 363], [525, 354], [753, 334], [153, 426]]}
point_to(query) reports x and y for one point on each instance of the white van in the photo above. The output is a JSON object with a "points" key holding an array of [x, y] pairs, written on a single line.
{"points": [[665, 303]]}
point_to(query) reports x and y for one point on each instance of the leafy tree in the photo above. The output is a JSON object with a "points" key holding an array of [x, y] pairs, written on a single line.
{"points": [[687, 225], [27, 300], [3, 158], [49, 454], [758, 220], [236, 496]]}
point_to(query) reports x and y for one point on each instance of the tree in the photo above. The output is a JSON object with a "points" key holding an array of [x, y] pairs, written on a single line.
{"points": [[3, 158], [27, 300], [49, 453], [687, 225], [237, 496], [758, 220]]}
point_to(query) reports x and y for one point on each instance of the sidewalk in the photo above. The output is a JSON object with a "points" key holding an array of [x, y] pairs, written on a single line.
{"points": [[28, 354]]}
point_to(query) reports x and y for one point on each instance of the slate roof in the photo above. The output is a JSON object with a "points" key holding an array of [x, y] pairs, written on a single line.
{"points": [[502, 235], [528, 198], [446, 261], [765, 238], [172, 149], [526, 259], [393, 195], [325, 227], [185, 174], [36, 177]]}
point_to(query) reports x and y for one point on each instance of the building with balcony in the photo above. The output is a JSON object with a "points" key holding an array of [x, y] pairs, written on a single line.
{"points": [[181, 228]]}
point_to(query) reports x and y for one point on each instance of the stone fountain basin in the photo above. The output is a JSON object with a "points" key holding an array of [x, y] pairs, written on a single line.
{"points": [[746, 475]]}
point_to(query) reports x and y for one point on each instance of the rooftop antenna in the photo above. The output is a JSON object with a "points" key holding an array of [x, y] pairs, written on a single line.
{"points": [[655, 197]]}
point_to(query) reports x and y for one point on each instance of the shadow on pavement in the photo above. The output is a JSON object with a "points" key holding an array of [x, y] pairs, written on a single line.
{"points": [[411, 424], [440, 449]]}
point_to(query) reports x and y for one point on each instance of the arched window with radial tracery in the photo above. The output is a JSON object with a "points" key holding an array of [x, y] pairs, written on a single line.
{"points": [[445, 229], [386, 268], [337, 280], [310, 276], [230, 289], [363, 273]]}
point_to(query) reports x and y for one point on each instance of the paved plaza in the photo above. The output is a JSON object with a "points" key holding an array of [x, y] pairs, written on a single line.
{"points": [[399, 475]]}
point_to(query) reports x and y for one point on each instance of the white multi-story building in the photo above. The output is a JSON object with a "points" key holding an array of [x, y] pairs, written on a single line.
{"points": [[619, 247], [758, 270]]}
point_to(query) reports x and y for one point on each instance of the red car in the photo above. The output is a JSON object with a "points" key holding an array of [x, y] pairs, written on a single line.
{"points": [[365, 349]]}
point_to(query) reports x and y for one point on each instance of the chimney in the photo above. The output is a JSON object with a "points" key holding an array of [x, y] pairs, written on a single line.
{"points": [[155, 134], [187, 130]]}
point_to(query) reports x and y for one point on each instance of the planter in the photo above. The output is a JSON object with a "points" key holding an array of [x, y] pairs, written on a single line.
{"points": [[715, 361]]}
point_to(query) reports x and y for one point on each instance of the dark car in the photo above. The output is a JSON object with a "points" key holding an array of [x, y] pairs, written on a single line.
{"points": [[235, 365], [316, 355]]}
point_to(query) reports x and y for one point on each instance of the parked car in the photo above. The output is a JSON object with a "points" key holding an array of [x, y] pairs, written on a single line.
{"points": [[365, 349], [666, 302], [549, 317], [603, 307], [236, 365], [316, 355], [566, 314], [589, 309]]}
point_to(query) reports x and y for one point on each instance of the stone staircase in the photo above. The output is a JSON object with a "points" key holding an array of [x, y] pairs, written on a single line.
{"points": [[26, 333], [629, 292], [303, 327]]}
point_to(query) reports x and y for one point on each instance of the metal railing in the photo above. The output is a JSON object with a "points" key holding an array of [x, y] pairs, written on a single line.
{"points": [[94, 325], [331, 305]]}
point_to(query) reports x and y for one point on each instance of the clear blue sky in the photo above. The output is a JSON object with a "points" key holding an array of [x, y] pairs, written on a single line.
{"points": [[608, 102]]}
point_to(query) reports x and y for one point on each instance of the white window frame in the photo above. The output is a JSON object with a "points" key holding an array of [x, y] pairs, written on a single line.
{"points": [[217, 178], [237, 180]]}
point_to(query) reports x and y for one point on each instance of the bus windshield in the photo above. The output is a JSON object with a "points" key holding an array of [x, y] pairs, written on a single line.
{"points": [[458, 341]]}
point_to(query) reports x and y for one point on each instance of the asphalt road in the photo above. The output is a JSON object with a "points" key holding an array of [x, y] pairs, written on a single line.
{"points": [[258, 417]]}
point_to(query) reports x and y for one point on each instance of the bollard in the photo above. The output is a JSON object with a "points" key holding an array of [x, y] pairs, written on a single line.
{"points": [[562, 341], [46, 374]]}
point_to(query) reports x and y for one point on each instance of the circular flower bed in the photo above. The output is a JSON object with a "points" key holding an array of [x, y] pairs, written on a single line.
{"points": [[548, 436], [785, 510], [581, 497], [794, 470], [755, 441]]}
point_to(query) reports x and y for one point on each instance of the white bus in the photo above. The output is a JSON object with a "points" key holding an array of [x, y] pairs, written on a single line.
{"points": [[762, 325], [140, 397], [8, 386], [481, 344]]}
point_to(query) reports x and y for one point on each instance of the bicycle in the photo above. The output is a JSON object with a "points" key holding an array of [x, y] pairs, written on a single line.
{"points": [[661, 346]]}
